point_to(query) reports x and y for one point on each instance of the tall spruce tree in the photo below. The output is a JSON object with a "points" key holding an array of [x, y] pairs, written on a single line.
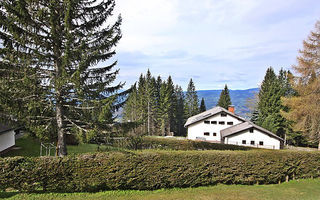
{"points": [[269, 87], [150, 98], [166, 106], [130, 113], [202, 106], [179, 112], [49, 55], [304, 107], [191, 106], [273, 88], [224, 100]]}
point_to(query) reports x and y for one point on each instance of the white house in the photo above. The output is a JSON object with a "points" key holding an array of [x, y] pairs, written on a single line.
{"points": [[224, 126], [7, 138]]}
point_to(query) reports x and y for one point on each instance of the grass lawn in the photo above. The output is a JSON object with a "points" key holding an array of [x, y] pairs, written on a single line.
{"points": [[30, 147], [302, 189]]}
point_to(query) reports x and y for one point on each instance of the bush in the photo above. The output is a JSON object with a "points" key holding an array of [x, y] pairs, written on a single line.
{"points": [[149, 170], [175, 144]]}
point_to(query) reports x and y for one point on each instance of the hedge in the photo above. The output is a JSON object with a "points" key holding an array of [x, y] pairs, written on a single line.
{"points": [[149, 170], [176, 144]]}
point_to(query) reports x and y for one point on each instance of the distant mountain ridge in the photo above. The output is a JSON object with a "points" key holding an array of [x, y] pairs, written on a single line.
{"points": [[238, 99]]}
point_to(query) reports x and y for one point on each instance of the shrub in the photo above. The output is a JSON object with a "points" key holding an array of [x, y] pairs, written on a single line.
{"points": [[149, 170], [175, 144]]}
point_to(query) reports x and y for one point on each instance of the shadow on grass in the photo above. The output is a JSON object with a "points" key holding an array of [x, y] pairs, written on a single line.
{"points": [[4, 195]]}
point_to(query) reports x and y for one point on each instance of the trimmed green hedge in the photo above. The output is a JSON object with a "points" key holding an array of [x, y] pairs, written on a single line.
{"points": [[176, 144], [148, 170]]}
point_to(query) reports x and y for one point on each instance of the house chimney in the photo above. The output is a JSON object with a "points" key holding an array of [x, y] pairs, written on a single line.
{"points": [[231, 109]]}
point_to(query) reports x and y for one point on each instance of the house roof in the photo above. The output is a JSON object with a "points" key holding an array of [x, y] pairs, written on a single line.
{"points": [[244, 126], [4, 128], [209, 113]]}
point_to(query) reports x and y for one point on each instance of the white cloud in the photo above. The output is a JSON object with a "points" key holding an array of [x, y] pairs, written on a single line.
{"points": [[212, 40]]}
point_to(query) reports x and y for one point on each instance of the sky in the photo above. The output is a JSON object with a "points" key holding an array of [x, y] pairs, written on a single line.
{"points": [[214, 42]]}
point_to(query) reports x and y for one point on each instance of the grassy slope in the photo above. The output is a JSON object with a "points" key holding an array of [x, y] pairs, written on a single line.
{"points": [[31, 147], [302, 189]]}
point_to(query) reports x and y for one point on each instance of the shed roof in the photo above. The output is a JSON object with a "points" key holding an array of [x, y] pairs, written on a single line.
{"points": [[209, 113], [244, 126]]}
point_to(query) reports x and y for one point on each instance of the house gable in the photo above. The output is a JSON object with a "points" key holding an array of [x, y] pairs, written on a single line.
{"points": [[245, 126], [209, 113], [209, 127], [255, 138]]}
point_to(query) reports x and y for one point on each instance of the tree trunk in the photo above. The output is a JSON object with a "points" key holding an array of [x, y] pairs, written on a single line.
{"points": [[62, 147], [168, 127], [149, 118]]}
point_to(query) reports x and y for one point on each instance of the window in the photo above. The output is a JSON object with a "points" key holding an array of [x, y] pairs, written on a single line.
{"points": [[252, 142], [206, 133], [222, 122], [251, 130], [214, 134], [230, 123], [207, 122], [213, 122], [261, 143], [244, 142], [223, 114]]}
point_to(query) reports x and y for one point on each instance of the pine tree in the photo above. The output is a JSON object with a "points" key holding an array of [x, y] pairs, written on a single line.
{"points": [[273, 88], [142, 106], [157, 125], [166, 106], [191, 106], [304, 107], [268, 89], [130, 113], [172, 103], [254, 116], [55, 46], [224, 100], [179, 112], [202, 106]]}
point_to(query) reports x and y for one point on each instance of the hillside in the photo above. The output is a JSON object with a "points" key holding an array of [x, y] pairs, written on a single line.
{"points": [[238, 98], [211, 97]]}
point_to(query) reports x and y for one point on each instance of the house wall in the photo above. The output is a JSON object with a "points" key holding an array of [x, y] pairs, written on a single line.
{"points": [[196, 130], [7, 140], [256, 136]]}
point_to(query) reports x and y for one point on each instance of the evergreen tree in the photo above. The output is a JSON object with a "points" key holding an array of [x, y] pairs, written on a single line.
{"points": [[172, 104], [130, 113], [153, 107], [254, 116], [224, 100], [202, 106], [150, 97], [179, 112], [156, 105], [269, 87], [273, 88], [191, 106], [304, 107], [164, 109], [166, 105], [51, 48]]}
